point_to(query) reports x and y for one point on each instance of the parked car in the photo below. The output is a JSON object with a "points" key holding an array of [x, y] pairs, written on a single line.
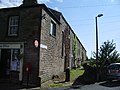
{"points": [[113, 71]]}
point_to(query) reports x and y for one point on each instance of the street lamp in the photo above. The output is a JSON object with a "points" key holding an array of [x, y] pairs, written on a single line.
{"points": [[99, 15]]}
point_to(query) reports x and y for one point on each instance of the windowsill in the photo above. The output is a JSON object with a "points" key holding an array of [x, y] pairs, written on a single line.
{"points": [[14, 71], [53, 36], [12, 35]]}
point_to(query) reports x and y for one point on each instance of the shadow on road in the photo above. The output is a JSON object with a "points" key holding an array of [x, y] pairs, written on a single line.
{"points": [[111, 84], [88, 77]]}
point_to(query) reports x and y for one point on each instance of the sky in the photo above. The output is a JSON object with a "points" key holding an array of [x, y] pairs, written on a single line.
{"points": [[80, 14]]}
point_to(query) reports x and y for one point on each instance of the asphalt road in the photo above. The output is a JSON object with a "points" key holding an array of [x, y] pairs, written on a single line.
{"points": [[114, 85]]}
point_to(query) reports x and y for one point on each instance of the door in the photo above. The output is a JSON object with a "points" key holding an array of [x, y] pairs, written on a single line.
{"points": [[5, 63]]}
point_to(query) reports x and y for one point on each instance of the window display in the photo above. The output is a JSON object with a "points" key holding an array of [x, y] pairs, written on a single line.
{"points": [[15, 62]]}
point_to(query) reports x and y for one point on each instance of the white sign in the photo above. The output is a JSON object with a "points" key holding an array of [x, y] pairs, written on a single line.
{"points": [[43, 46], [9, 45]]}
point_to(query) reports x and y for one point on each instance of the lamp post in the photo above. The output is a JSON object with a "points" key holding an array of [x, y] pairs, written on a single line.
{"points": [[99, 15]]}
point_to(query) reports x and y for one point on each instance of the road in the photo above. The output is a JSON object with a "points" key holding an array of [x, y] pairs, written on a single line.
{"points": [[114, 85]]}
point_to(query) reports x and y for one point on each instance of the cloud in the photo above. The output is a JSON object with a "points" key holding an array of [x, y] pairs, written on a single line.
{"points": [[13, 3], [56, 8], [44, 1], [5, 3], [48, 1], [9, 3], [59, 0], [112, 0]]}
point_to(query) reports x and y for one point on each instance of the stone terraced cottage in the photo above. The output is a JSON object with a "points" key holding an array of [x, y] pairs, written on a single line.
{"points": [[38, 41]]}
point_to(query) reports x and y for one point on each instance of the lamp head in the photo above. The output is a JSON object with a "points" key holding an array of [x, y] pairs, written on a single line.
{"points": [[100, 15]]}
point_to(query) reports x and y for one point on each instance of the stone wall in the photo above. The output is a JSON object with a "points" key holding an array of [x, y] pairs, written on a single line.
{"points": [[51, 62], [45, 60]]}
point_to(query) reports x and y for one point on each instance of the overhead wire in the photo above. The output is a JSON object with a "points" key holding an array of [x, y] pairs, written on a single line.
{"points": [[93, 6], [84, 6], [92, 20]]}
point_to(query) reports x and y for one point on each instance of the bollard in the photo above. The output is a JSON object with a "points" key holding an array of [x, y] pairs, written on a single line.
{"points": [[67, 79], [27, 70], [40, 81]]}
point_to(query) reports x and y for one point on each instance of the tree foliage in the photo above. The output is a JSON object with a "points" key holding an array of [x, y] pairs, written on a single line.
{"points": [[107, 54]]}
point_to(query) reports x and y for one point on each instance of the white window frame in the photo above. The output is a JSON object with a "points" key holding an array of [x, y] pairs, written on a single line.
{"points": [[53, 28], [13, 26]]}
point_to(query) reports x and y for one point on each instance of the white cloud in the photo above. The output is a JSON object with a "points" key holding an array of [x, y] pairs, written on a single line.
{"points": [[48, 1], [112, 0], [56, 8], [9, 3], [60, 0], [44, 1], [13, 3], [5, 3]]}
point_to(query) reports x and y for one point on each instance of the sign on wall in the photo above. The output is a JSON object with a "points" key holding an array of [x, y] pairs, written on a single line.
{"points": [[9, 45]]}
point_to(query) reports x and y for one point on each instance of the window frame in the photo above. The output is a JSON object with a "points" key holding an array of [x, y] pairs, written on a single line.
{"points": [[53, 28], [13, 22]]}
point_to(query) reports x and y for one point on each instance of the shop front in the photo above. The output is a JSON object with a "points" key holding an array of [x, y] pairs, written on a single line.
{"points": [[11, 61]]}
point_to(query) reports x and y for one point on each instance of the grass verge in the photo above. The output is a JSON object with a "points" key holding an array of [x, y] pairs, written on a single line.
{"points": [[74, 73], [57, 85]]}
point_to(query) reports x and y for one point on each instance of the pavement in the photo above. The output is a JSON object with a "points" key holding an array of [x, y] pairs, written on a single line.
{"points": [[15, 86], [44, 86]]}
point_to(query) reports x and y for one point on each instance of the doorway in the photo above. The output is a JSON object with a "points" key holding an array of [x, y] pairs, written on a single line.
{"points": [[5, 63]]}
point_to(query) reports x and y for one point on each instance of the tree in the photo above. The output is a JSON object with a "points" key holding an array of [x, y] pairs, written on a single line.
{"points": [[107, 53]]}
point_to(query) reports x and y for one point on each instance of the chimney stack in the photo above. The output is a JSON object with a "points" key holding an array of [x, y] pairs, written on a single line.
{"points": [[29, 2]]}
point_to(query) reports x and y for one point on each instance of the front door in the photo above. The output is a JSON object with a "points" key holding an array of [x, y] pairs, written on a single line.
{"points": [[5, 63]]}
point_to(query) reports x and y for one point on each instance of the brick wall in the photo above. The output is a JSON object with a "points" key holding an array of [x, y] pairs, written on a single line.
{"points": [[28, 30]]}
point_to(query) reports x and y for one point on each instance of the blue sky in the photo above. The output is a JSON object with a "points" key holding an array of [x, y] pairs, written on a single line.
{"points": [[80, 14]]}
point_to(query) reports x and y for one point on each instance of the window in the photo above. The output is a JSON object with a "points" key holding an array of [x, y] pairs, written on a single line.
{"points": [[15, 62], [13, 26], [53, 29], [62, 52]]}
